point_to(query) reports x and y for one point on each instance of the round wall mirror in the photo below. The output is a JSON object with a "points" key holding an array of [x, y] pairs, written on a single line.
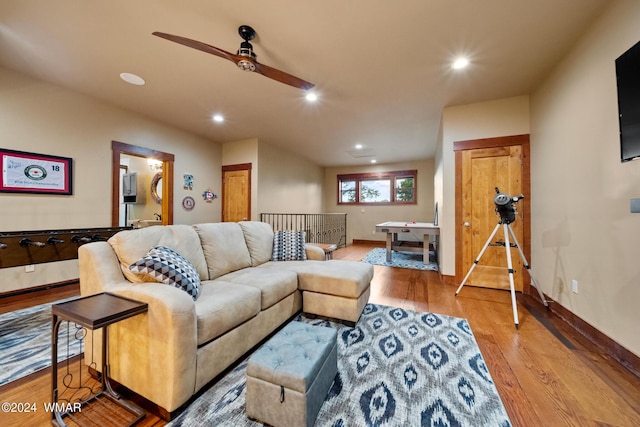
{"points": [[156, 188]]}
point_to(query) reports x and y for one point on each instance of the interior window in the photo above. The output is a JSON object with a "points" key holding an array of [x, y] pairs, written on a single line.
{"points": [[383, 188], [375, 191], [347, 191]]}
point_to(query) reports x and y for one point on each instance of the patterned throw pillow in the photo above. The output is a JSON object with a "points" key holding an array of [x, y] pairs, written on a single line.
{"points": [[165, 265], [289, 246]]}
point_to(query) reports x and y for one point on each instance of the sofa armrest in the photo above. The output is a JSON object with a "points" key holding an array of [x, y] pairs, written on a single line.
{"points": [[153, 354], [99, 268], [314, 252]]}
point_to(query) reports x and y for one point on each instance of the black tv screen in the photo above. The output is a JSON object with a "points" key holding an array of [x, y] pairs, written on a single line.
{"points": [[628, 81]]}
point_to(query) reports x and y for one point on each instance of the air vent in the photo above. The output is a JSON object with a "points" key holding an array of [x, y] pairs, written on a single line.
{"points": [[358, 154]]}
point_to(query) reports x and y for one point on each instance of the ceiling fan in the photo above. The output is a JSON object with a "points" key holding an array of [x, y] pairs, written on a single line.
{"points": [[245, 59]]}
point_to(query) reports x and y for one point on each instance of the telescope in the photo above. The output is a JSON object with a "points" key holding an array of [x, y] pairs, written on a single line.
{"points": [[506, 209], [506, 206]]}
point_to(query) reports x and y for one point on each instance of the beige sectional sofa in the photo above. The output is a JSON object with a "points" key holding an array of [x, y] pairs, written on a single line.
{"points": [[181, 344]]}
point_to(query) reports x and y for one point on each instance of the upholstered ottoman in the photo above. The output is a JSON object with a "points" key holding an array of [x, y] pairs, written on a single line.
{"points": [[288, 377]]}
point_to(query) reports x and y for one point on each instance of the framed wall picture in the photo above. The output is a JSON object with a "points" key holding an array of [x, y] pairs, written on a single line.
{"points": [[24, 172]]}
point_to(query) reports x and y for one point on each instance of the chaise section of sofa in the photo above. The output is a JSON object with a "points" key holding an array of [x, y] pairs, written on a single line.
{"points": [[169, 353]]}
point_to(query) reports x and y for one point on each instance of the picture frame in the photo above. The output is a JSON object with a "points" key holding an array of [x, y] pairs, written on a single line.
{"points": [[24, 172]]}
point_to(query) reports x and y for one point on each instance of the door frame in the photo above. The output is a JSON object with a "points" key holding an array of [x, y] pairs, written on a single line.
{"points": [[167, 159], [228, 168], [524, 209]]}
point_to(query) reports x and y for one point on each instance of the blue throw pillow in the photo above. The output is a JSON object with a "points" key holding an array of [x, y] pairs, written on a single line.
{"points": [[289, 246], [165, 265]]}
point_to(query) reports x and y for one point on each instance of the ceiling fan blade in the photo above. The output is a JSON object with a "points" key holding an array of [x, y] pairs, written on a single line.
{"points": [[282, 77], [197, 45]]}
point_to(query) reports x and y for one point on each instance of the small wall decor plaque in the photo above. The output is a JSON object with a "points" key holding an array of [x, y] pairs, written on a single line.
{"points": [[35, 173], [208, 195], [188, 181], [188, 203]]}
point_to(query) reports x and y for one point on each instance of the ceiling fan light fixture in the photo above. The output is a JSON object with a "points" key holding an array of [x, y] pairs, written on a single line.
{"points": [[246, 65], [311, 97]]}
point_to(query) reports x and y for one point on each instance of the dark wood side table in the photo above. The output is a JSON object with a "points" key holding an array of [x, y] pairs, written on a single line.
{"points": [[328, 249], [93, 312]]}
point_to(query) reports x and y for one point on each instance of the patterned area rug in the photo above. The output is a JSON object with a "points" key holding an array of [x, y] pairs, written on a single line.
{"points": [[395, 368], [378, 256], [25, 342]]}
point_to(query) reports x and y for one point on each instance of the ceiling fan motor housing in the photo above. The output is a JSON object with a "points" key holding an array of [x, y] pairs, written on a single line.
{"points": [[246, 49]]}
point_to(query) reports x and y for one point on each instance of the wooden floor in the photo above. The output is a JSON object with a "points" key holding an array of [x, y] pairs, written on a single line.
{"points": [[545, 373]]}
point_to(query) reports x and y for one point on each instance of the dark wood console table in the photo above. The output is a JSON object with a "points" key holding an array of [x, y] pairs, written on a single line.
{"points": [[93, 312]]}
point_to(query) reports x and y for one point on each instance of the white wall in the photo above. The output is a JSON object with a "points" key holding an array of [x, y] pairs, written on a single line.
{"points": [[502, 117], [581, 225], [362, 219], [43, 118]]}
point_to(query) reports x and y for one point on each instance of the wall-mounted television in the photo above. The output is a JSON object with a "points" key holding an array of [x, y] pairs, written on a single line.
{"points": [[628, 81]]}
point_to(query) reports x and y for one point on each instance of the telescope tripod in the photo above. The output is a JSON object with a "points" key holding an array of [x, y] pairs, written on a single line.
{"points": [[506, 227]]}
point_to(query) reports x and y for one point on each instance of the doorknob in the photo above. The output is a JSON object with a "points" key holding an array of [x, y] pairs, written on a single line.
{"points": [[467, 224]]}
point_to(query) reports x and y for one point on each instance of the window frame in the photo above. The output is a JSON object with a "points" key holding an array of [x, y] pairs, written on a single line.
{"points": [[392, 176]]}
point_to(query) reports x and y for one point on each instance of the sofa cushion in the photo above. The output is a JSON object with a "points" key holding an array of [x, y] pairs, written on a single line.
{"points": [[165, 265], [289, 246], [259, 239], [224, 247], [334, 277], [274, 285], [131, 245], [222, 306]]}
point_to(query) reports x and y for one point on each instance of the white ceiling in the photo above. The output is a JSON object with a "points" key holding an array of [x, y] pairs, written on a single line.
{"points": [[381, 68]]}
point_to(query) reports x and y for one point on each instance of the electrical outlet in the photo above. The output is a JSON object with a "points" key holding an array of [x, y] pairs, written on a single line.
{"points": [[574, 286], [29, 268]]}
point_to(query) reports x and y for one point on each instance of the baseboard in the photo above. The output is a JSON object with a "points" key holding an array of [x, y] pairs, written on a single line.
{"points": [[607, 345], [374, 243], [41, 288], [448, 280]]}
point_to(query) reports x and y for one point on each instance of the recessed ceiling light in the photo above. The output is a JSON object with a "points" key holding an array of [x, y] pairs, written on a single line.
{"points": [[218, 118], [460, 63], [132, 79], [311, 97], [358, 146], [374, 161]]}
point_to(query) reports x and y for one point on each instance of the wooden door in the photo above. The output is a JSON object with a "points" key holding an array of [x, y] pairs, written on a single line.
{"points": [[479, 171], [236, 192]]}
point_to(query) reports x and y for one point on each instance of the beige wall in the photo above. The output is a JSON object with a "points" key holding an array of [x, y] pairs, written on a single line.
{"points": [[288, 182], [503, 117], [44, 118], [281, 181], [361, 219], [581, 225]]}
